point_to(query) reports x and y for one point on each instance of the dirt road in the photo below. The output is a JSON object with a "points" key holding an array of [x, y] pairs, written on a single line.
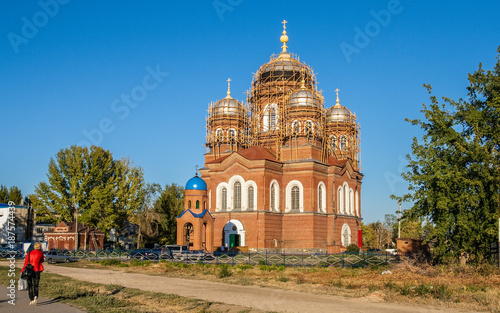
{"points": [[249, 296]]}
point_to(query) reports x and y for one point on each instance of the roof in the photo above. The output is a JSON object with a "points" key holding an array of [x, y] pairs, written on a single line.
{"points": [[200, 215], [196, 183], [253, 153], [336, 162]]}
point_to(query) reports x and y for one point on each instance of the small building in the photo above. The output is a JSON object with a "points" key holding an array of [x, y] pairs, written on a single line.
{"points": [[409, 246], [67, 236]]}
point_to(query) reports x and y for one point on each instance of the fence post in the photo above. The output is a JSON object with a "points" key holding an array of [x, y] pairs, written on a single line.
{"points": [[249, 257], [386, 258], [233, 258], [284, 258], [266, 256], [364, 259], [343, 259], [302, 259]]}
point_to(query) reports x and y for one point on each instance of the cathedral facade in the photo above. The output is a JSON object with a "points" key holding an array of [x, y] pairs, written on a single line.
{"points": [[281, 171]]}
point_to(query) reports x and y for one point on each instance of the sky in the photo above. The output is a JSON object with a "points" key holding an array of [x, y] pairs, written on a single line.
{"points": [[136, 77]]}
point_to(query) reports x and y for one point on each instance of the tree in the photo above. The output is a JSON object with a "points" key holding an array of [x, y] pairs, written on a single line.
{"points": [[15, 195], [454, 171], [4, 194], [88, 182], [145, 216], [369, 236], [169, 205]]}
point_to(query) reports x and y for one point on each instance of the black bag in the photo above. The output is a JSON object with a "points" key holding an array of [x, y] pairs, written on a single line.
{"points": [[28, 270]]}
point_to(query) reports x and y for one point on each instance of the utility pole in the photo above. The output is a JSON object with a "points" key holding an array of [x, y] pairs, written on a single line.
{"points": [[399, 220]]}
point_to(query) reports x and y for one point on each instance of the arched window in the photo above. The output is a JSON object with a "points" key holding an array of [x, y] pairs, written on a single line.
{"points": [[346, 235], [343, 142], [333, 142], [189, 204], [224, 198], [351, 202], [346, 199], [273, 197], [197, 204], [340, 200], [295, 198], [295, 128], [309, 128], [321, 197], [237, 196], [232, 135], [219, 135], [250, 198], [272, 118]]}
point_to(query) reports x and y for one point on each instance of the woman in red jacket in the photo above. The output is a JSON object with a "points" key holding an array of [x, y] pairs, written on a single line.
{"points": [[35, 258]]}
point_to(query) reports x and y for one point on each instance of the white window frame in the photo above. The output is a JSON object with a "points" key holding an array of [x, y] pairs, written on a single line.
{"points": [[322, 203], [288, 204]]}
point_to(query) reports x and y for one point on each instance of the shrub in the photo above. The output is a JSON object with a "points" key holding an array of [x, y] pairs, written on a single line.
{"points": [[352, 248], [224, 271], [442, 292], [110, 262], [423, 289], [283, 278], [243, 267]]}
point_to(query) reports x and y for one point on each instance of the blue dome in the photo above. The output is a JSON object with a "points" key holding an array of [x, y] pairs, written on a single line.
{"points": [[196, 183]]}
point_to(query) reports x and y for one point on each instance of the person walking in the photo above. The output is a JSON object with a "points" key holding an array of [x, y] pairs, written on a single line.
{"points": [[35, 258]]}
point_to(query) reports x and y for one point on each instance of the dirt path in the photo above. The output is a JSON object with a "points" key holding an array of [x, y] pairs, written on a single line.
{"points": [[265, 299]]}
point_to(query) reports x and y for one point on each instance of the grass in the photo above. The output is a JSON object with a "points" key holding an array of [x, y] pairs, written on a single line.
{"points": [[95, 298], [447, 287]]}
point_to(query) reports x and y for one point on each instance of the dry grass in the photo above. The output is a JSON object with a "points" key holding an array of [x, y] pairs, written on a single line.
{"points": [[465, 288]]}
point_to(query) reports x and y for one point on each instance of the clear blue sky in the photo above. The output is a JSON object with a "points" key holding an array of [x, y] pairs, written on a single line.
{"points": [[68, 69]]}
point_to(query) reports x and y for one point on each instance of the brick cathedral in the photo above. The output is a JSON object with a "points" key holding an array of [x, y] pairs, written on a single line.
{"points": [[281, 171]]}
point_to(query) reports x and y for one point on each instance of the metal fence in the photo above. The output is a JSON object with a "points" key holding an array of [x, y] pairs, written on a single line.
{"points": [[254, 258]]}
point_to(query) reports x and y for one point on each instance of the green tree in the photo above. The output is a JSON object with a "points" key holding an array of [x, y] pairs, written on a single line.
{"points": [[145, 216], [15, 195], [369, 236], [88, 182], [169, 205], [453, 172], [4, 194]]}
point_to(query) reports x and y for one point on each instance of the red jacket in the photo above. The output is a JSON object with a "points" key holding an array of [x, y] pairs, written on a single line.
{"points": [[35, 258]]}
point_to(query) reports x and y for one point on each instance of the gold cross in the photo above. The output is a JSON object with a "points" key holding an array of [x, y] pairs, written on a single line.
{"points": [[228, 87], [284, 24]]}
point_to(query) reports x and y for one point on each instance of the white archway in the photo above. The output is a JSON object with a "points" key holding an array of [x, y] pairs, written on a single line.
{"points": [[234, 234]]}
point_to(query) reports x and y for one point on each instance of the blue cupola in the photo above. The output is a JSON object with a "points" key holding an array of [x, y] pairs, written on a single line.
{"points": [[196, 183]]}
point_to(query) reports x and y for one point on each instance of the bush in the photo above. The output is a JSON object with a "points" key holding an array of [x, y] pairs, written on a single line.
{"points": [[110, 262], [224, 271], [352, 248]]}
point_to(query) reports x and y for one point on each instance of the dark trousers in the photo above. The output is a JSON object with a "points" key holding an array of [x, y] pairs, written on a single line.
{"points": [[33, 285]]}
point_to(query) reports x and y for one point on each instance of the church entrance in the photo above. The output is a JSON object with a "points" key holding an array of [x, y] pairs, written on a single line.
{"points": [[188, 234], [234, 234]]}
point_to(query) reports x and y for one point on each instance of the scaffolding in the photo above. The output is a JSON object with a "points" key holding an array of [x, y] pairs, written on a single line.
{"points": [[227, 126], [284, 113]]}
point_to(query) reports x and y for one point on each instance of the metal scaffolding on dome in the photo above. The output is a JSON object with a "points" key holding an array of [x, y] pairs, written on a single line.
{"points": [[284, 112], [227, 125]]}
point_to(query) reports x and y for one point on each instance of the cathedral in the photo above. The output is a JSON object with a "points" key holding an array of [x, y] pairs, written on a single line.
{"points": [[282, 171]]}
